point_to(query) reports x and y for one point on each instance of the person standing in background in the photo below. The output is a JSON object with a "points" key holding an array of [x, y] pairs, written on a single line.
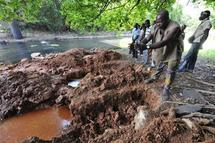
{"points": [[146, 34], [197, 40], [135, 36]]}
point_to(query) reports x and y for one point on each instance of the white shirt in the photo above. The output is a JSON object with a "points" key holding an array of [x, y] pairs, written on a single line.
{"points": [[147, 33], [135, 33]]}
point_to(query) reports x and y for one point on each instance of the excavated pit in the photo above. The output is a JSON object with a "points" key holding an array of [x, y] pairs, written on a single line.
{"points": [[103, 105]]}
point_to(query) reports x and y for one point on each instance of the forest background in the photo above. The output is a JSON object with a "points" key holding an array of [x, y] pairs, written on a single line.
{"points": [[93, 15]]}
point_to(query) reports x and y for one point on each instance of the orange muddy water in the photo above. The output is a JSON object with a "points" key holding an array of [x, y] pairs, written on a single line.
{"points": [[45, 123]]}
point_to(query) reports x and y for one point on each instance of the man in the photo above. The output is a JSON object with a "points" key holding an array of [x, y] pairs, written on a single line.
{"points": [[135, 36], [183, 27], [145, 31], [146, 34], [141, 37], [197, 40], [153, 52], [167, 43]]}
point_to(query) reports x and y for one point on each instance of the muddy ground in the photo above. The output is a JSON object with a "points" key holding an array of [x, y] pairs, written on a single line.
{"points": [[111, 100]]}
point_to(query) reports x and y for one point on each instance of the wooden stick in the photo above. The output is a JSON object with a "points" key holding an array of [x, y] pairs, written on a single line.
{"points": [[205, 91], [209, 129], [200, 115], [201, 81]]}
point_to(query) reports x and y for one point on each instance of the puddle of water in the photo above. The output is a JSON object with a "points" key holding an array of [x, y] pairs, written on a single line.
{"points": [[74, 83], [45, 123]]}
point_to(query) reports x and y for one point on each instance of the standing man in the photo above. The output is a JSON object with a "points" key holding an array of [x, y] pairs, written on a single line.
{"points": [[146, 34], [135, 36], [197, 40], [167, 41]]}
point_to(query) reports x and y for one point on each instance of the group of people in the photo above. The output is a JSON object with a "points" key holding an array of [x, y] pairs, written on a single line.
{"points": [[165, 39], [138, 34]]}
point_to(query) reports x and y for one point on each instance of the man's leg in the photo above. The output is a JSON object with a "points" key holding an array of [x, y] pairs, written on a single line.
{"points": [[192, 62], [145, 56], [135, 50], [141, 49], [157, 74], [170, 76], [187, 59]]}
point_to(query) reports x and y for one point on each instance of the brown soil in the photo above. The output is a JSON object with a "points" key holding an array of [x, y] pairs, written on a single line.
{"points": [[103, 105]]}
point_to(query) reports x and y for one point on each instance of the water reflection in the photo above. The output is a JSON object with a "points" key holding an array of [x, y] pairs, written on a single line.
{"points": [[46, 123], [19, 51]]}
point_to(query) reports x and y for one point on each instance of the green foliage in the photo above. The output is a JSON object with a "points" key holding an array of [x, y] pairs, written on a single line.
{"points": [[110, 14], [210, 4], [50, 15], [176, 13], [93, 15], [209, 53], [19, 9]]}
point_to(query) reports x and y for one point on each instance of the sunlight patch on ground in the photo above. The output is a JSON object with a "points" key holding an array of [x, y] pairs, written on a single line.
{"points": [[122, 42]]}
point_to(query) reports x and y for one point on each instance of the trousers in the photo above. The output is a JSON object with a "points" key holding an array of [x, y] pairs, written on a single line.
{"points": [[189, 60], [170, 72]]}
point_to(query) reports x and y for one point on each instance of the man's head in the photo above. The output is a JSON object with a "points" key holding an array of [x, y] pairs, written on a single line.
{"points": [[136, 25], [204, 14], [162, 19], [147, 23], [183, 27]]}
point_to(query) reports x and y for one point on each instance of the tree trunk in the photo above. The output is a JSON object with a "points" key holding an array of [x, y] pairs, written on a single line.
{"points": [[14, 27]]}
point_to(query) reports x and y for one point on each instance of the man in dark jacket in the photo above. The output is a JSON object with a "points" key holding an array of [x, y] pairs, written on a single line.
{"points": [[168, 45]]}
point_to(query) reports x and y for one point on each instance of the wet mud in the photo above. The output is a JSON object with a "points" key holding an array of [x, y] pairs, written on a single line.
{"points": [[103, 105], [45, 123]]}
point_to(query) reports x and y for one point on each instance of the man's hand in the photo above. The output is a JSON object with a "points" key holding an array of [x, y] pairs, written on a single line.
{"points": [[191, 39], [154, 45], [144, 41]]}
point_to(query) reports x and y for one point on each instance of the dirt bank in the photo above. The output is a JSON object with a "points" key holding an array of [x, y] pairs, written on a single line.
{"points": [[106, 104]]}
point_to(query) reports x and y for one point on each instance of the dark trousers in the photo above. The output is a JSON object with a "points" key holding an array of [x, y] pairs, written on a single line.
{"points": [[189, 60], [133, 50]]}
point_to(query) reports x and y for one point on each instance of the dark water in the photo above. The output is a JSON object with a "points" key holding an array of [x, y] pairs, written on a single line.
{"points": [[14, 52], [45, 123]]}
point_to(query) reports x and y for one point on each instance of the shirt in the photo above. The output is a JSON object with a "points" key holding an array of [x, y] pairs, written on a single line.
{"points": [[172, 50], [156, 53], [135, 33], [147, 33], [199, 33]]}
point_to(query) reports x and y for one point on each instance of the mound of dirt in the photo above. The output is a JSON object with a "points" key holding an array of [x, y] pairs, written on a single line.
{"points": [[104, 104]]}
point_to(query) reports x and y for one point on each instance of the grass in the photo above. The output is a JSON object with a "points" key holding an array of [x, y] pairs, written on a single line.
{"points": [[207, 53], [204, 53]]}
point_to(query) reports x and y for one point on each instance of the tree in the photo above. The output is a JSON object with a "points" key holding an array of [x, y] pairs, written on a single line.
{"points": [[50, 15], [13, 10], [83, 15], [110, 14], [210, 4]]}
